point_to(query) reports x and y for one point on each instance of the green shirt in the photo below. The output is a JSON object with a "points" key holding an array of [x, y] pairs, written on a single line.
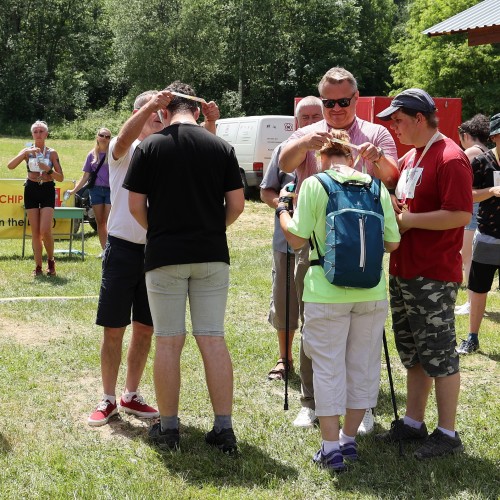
{"points": [[310, 216]]}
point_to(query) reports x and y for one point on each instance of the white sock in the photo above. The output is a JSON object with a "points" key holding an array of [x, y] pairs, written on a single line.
{"points": [[329, 446], [108, 397], [447, 432], [412, 423], [344, 438], [127, 396]]}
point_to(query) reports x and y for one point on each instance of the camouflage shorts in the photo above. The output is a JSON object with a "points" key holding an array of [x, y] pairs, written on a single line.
{"points": [[423, 321]]}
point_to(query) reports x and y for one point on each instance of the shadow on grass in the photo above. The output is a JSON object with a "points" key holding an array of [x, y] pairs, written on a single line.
{"points": [[4, 445], [200, 464], [439, 478]]}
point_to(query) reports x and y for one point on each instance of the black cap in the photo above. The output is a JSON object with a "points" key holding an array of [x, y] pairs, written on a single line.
{"points": [[495, 124], [416, 99]]}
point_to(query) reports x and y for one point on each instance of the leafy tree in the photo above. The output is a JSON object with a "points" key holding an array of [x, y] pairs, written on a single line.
{"points": [[446, 65]]}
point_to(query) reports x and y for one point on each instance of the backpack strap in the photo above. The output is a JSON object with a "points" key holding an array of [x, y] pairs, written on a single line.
{"points": [[324, 180]]}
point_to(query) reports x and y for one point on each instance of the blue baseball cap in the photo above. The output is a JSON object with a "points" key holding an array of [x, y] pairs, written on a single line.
{"points": [[416, 99]]}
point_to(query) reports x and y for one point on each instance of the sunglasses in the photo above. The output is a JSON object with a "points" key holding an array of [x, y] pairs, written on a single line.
{"points": [[104, 136], [343, 102]]}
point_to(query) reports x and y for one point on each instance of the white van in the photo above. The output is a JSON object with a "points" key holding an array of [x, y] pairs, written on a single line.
{"points": [[254, 139]]}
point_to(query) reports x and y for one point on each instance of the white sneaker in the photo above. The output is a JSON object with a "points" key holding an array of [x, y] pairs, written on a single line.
{"points": [[366, 425], [463, 309], [305, 418]]}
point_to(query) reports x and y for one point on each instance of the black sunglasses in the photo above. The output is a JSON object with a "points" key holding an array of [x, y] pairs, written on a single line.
{"points": [[343, 102], [105, 136]]}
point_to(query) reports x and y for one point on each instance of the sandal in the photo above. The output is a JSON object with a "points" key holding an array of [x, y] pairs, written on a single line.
{"points": [[279, 373]]}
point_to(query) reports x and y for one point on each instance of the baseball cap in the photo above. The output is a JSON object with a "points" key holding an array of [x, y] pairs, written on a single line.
{"points": [[495, 124], [416, 99]]}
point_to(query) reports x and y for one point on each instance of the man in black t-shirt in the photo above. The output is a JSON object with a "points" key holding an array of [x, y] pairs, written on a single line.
{"points": [[185, 189]]}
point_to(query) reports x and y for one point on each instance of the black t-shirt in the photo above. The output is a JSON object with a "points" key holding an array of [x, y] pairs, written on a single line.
{"points": [[185, 172], [488, 216]]}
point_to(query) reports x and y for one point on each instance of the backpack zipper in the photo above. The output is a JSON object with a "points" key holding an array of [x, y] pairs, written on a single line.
{"points": [[362, 252]]}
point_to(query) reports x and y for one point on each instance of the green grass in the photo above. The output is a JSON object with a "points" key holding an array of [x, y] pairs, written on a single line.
{"points": [[50, 380]]}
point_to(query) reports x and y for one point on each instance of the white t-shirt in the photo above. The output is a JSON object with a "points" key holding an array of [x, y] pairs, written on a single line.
{"points": [[121, 224]]}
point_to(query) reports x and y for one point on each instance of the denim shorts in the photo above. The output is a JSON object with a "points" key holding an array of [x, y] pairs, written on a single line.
{"points": [[206, 284], [100, 195], [472, 225]]}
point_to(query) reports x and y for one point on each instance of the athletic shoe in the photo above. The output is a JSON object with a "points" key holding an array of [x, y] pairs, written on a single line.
{"points": [[305, 418], [407, 433], [366, 425], [103, 412], [51, 269], [165, 440], [438, 445], [467, 347], [37, 271], [350, 451], [225, 440], [138, 407], [463, 309], [333, 461]]}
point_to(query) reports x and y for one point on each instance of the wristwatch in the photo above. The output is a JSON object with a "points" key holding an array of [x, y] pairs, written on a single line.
{"points": [[50, 172], [280, 209]]}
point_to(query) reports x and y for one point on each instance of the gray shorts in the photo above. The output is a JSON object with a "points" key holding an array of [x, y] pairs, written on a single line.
{"points": [[423, 320], [206, 284]]}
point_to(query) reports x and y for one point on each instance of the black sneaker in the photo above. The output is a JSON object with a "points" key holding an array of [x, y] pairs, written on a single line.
{"points": [[467, 347], [225, 440], [407, 433], [165, 440], [438, 445]]}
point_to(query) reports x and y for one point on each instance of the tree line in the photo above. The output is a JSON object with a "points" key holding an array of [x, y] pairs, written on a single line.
{"points": [[63, 59]]}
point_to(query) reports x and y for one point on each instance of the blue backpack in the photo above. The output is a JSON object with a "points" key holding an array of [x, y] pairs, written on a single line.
{"points": [[354, 233]]}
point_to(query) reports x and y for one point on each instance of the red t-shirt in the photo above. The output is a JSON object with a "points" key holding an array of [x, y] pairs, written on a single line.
{"points": [[446, 184]]}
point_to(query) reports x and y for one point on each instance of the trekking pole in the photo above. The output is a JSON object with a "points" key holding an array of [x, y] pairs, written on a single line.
{"points": [[290, 188], [287, 321], [393, 394]]}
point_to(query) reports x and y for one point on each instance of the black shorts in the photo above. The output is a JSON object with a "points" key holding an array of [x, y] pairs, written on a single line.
{"points": [[39, 195], [123, 285], [481, 277]]}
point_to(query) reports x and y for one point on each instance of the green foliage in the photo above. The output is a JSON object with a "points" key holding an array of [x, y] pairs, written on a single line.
{"points": [[446, 65]]}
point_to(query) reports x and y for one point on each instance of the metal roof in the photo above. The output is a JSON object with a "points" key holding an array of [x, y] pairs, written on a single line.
{"points": [[484, 14]]}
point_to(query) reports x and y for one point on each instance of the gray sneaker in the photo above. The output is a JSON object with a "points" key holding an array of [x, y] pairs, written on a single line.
{"points": [[438, 445], [165, 440], [407, 433]]}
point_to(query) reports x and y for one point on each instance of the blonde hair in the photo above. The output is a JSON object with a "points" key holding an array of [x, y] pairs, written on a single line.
{"points": [[41, 124], [332, 148], [95, 151]]}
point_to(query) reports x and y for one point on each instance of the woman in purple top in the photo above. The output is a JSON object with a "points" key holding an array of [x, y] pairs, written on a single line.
{"points": [[100, 192]]}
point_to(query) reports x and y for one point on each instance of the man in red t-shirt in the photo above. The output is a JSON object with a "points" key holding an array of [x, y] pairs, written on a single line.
{"points": [[433, 203]]}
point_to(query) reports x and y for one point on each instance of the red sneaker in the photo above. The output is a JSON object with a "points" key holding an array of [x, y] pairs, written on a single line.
{"points": [[51, 269], [103, 412], [138, 407]]}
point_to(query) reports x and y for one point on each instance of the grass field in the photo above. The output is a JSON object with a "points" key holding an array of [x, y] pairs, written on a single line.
{"points": [[50, 380]]}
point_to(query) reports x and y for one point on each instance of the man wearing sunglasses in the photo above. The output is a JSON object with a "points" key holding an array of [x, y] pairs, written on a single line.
{"points": [[339, 94], [377, 156]]}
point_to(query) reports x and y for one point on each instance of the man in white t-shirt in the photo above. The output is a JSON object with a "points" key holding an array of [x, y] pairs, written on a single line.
{"points": [[123, 289]]}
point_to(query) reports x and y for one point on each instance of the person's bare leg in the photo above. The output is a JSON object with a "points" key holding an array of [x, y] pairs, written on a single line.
{"points": [[46, 219], [167, 373], [418, 388], [101, 213], [447, 390], [111, 355], [36, 239], [477, 308], [352, 420], [218, 372], [330, 427], [137, 355]]}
